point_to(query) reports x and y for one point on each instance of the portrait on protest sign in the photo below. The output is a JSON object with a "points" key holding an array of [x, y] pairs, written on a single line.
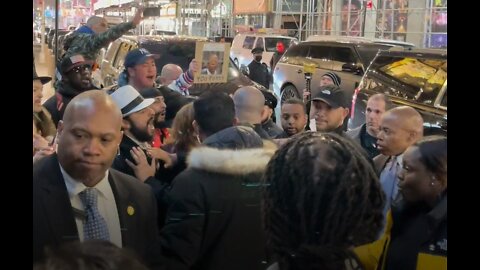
{"points": [[213, 58]]}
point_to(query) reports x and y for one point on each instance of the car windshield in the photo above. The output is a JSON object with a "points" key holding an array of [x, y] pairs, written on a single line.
{"points": [[420, 79], [271, 43]]}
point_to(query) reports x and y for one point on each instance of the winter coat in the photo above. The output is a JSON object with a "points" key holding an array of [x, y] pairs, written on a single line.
{"points": [[214, 217], [410, 229]]}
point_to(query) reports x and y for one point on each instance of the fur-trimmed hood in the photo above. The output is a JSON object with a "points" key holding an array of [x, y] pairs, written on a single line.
{"points": [[230, 161]]}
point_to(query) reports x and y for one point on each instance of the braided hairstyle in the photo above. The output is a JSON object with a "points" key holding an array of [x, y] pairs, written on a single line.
{"points": [[321, 197]]}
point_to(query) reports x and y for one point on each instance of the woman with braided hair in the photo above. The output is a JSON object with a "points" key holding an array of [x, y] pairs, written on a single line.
{"points": [[322, 198]]}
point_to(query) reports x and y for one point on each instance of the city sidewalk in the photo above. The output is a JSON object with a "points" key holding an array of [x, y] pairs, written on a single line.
{"points": [[45, 66]]}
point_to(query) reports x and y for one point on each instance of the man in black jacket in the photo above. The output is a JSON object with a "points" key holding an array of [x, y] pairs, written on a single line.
{"points": [[214, 219], [249, 102], [76, 78], [268, 122], [258, 71]]}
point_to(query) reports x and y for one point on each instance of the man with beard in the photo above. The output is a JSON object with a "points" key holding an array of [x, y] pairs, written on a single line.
{"points": [[330, 109], [76, 78], [160, 108], [138, 132]]}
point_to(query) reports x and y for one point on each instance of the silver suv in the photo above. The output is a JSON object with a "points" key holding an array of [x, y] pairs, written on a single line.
{"points": [[347, 56]]}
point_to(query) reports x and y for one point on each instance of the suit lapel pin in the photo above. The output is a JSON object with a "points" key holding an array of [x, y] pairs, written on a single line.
{"points": [[130, 210]]}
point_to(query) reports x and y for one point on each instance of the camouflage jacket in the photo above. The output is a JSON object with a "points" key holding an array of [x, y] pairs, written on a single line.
{"points": [[89, 45]]}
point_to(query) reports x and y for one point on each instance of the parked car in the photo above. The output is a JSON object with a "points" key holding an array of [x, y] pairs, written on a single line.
{"points": [[411, 77], [243, 44], [348, 57], [155, 32], [360, 39], [178, 50]]}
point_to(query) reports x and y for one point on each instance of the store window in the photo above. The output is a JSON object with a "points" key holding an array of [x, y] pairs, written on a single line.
{"points": [[392, 19], [437, 22], [351, 19]]}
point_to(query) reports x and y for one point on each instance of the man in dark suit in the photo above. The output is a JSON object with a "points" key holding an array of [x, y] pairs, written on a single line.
{"points": [[77, 197]]}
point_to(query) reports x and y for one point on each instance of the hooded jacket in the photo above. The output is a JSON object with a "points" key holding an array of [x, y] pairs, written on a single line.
{"points": [[57, 103], [214, 216]]}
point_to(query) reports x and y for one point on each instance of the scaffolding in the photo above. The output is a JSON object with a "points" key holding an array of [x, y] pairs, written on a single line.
{"points": [[205, 17], [422, 22]]}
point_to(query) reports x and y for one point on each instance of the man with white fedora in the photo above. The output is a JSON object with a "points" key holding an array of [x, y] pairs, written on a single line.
{"points": [[138, 130]]}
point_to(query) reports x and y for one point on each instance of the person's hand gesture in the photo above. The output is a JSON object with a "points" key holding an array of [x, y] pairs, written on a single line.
{"points": [[138, 16], [193, 67], [142, 169], [160, 154], [43, 152], [39, 142]]}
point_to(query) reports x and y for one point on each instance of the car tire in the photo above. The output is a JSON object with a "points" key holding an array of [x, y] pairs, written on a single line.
{"points": [[288, 92]]}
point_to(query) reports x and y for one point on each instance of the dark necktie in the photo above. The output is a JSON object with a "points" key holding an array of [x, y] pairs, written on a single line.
{"points": [[94, 225]]}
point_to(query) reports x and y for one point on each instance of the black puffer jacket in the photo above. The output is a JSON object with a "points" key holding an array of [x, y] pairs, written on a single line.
{"points": [[214, 217], [57, 103]]}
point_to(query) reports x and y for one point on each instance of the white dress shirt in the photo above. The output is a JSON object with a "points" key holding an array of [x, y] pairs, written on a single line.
{"points": [[106, 205]]}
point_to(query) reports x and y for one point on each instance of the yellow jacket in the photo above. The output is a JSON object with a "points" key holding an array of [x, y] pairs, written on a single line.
{"points": [[372, 255]]}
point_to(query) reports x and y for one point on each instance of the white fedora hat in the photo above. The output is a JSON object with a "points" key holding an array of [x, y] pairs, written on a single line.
{"points": [[129, 100]]}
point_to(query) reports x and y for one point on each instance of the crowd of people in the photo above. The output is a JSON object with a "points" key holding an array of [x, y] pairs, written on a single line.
{"points": [[143, 176]]}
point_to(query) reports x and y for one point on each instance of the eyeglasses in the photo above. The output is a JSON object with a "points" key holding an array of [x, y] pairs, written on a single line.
{"points": [[81, 68]]}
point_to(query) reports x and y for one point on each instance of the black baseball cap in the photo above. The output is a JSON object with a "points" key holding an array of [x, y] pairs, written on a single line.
{"points": [[332, 95]]}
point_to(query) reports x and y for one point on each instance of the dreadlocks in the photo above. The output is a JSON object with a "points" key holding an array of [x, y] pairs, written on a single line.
{"points": [[321, 198]]}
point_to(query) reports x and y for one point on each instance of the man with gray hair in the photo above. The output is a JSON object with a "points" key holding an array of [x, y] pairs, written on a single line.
{"points": [[249, 102]]}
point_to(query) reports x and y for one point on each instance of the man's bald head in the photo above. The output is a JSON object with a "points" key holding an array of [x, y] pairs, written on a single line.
{"points": [[170, 72], [249, 103], [89, 136], [407, 118], [97, 24], [93, 101], [212, 63], [400, 128]]}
